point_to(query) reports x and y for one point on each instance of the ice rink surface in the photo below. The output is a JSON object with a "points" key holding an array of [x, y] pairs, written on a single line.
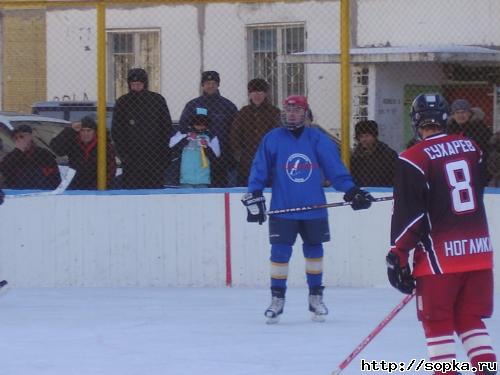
{"points": [[200, 331]]}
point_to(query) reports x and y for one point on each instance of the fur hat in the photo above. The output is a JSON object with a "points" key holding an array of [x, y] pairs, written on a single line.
{"points": [[137, 75], [210, 75], [366, 127], [258, 84], [89, 122], [460, 105]]}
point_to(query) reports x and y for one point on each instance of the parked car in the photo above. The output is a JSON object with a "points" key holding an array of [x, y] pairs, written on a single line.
{"points": [[71, 110], [44, 129]]}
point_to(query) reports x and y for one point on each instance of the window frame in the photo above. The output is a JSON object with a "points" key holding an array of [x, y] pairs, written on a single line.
{"points": [[110, 66], [281, 68]]}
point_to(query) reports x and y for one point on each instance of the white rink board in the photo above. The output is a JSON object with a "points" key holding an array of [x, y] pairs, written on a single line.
{"points": [[179, 240]]}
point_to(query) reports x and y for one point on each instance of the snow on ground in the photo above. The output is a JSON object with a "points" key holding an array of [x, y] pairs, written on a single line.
{"points": [[199, 331]]}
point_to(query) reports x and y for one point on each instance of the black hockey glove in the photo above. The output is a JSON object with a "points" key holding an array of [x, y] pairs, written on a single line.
{"points": [[2, 196], [256, 207], [360, 199], [399, 277]]}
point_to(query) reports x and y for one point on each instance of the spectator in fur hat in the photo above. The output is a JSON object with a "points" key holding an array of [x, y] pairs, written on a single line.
{"points": [[79, 143], [373, 162], [141, 129], [251, 123], [469, 122], [221, 112]]}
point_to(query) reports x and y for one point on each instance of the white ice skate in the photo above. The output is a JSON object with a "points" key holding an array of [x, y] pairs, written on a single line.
{"points": [[274, 311], [317, 307]]}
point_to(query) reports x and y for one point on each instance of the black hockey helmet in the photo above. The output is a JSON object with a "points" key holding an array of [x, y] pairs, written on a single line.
{"points": [[429, 109]]}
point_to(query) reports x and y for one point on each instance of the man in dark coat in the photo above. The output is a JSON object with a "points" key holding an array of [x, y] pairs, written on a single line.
{"points": [[141, 130], [79, 143], [221, 112], [251, 123], [469, 122], [373, 163], [29, 166]]}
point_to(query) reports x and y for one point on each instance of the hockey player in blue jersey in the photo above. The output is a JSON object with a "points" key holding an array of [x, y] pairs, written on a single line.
{"points": [[293, 159]]}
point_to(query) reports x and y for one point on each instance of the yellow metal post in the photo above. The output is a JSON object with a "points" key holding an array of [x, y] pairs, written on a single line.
{"points": [[345, 81], [101, 96]]}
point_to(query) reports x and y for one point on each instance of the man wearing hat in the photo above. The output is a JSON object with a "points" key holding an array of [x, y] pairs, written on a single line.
{"points": [[79, 143], [29, 166], [141, 129], [373, 162], [221, 112], [252, 122], [469, 122]]}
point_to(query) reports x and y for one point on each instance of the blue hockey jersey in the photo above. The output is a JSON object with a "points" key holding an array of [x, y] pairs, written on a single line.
{"points": [[293, 166]]}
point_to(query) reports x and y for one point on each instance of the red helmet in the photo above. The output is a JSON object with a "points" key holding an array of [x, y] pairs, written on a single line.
{"points": [[297, 101], [295, 109]]}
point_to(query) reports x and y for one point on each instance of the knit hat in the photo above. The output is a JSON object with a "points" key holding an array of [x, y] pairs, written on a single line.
{"points": [[365, 127], [201, 117], [89, 122], [210, 75], [460, 105], [22, 129], [258, 84]]}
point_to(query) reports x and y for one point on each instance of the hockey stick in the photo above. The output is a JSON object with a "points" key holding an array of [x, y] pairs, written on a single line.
{"points": [[59, 190], [373, 333], [317, 206], [3, 283]]}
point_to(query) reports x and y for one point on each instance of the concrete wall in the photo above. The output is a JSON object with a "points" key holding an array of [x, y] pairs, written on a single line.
{"points": [[388, 108], [408, 22], [71, 46], [180, 240], [23, 63]]}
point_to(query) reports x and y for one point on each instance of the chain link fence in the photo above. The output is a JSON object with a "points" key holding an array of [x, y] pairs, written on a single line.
{"points": [[212, 78]]}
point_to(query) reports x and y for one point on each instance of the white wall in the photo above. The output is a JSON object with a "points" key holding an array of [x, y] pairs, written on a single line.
{"points": [[409, 22], [179, 240], [71, 55]]}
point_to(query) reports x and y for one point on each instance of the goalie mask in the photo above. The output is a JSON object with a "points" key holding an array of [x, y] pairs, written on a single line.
{"points": [[429, 109], [295, 108]]}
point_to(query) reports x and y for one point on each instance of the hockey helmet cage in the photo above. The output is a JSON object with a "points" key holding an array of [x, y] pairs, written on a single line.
{"points": [[291, 116]]}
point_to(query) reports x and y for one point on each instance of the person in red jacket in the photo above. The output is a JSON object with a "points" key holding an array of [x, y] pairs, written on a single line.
{"points": [[79, 143], [439, 212], [29, 166]]}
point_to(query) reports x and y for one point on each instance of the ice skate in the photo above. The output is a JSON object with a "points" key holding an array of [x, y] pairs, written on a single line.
{"points": [[316, 305], [274, 310]]}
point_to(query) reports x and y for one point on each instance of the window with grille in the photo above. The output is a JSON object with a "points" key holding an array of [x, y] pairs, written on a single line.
{"points": [[129, 49], [265, 44], [360, 93]]}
